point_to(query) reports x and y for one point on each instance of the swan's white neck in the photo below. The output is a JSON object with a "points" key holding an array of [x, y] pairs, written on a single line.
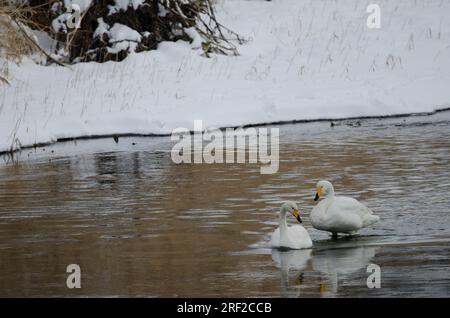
{"points": [[330, 194], [330, 191], [284, 239]]}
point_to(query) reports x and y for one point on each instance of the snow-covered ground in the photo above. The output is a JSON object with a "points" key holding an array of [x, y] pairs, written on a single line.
{"points": [[306, 60]]}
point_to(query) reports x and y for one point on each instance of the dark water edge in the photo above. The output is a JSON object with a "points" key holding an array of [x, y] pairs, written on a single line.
{"points": [[10, 153]]}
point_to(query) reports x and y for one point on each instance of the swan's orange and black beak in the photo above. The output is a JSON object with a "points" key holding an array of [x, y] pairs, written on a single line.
{"points": [[296, 214], [317, 194]]}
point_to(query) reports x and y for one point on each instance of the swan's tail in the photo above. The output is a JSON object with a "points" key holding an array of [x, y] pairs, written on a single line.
{"points": [[370, 219]]}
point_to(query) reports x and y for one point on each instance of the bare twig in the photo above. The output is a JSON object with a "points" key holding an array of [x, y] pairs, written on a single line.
{"points": [[33, 42]]}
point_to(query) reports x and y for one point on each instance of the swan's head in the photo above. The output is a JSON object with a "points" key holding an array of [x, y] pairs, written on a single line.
{"points": [[323, 189], [291, 207]]}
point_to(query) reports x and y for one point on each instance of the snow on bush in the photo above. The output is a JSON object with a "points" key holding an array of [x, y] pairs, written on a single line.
{"points": [[124, 4], [110, 30]]}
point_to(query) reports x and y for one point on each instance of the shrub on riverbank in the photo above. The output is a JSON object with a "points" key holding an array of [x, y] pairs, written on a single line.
{"points": [[91, 30]]}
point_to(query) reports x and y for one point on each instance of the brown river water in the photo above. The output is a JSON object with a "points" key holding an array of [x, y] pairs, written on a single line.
{"points": [[138, 224]]}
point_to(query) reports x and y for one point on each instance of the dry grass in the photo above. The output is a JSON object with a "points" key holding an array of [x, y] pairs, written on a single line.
{"points": [[15, 39]]}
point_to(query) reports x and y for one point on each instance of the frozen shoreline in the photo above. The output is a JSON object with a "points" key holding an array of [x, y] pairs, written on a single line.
{"points": [[305, 61], [300, 121]]}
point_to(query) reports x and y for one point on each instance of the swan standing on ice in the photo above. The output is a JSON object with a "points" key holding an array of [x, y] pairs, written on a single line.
{"points": [[337, 214], [290, 237]]}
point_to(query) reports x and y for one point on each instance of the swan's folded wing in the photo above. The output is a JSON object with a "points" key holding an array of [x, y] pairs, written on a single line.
{"points": [[349, 206], [300, 236]]}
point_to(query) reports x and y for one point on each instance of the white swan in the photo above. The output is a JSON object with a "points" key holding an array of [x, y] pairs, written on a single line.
{"points": [[290, 237], [337, 214]]}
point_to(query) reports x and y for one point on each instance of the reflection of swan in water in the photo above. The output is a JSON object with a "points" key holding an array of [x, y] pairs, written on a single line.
{"points": [[293, 259], [339, 263]]}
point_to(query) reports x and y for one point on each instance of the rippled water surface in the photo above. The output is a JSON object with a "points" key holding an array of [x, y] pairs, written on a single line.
{"points": [[140, 225]]}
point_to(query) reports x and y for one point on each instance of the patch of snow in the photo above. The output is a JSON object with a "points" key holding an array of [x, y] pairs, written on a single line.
{"points": [[123, 38], [120, 32], [59, 24], [123, 5], [45, 41], [122, 46], [83, 4], [101, 29], [162, 11], [195, 36]]}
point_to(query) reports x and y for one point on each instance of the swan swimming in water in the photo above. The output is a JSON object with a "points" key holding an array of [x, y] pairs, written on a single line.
{"points": [[338, 214], [290, 237]]}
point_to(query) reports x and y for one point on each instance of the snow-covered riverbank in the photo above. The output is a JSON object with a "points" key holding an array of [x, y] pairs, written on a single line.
{"points": [[305, 60]]}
